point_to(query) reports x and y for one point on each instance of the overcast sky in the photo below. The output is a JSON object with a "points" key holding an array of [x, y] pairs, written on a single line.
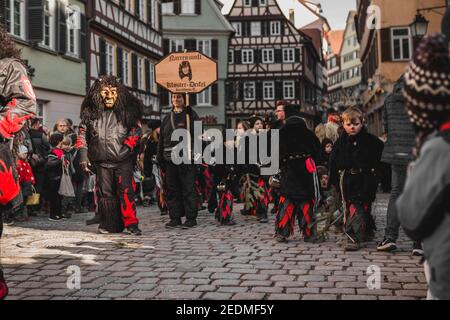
{"points": [[335, 11]]}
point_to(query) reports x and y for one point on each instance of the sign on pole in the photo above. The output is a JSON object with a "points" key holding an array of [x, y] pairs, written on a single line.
{"points": [[186, 72]]}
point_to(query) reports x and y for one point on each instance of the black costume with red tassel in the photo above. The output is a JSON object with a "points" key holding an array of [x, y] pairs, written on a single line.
{"points": [[299, 189]]}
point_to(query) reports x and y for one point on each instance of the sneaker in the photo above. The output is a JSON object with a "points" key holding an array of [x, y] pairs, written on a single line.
{"points": [[228, 223], [189, 224], [173, 224], [417, 249], [134, 230], [280, 239], [94, 220], [351, 246], [387, 245], [8, 221], [102, 230], [245, 212], [55, 218]]}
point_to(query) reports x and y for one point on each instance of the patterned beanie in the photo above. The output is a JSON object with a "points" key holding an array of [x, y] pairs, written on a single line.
{"points": [[427, 83]]}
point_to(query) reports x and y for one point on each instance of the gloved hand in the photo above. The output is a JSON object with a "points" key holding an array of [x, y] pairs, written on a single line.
{"points": [[11, 124]]}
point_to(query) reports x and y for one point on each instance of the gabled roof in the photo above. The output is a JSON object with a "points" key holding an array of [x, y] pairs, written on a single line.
{"points": [[336, 38], [220, 16]]}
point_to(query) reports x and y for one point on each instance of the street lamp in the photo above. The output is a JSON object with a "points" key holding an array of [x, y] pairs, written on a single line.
{"points": [[419, 26]]}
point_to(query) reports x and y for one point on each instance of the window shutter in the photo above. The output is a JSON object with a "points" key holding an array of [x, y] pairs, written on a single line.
{"points": [[119, 66], [198, 6], [134, 70], [177, 6], [297, 54], [214, 95], [163, 97], [259, 90], [193, 100], [136, 7], [255, 3], [237, 57], [3, 12], [166, 46], [282, 28], [102, 57], [190, 44], [386, 44], [264, 29], [62, 28], [147, 76], [149, 12], [35, 20], [257, 56], [83, 39], [278, 56], [160, 14], [215, 49], [240, 94], [278, 90]]}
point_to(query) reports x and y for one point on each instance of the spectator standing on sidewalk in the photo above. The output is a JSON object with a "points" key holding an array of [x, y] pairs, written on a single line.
{"points": [[423, 208], [397, 152]]}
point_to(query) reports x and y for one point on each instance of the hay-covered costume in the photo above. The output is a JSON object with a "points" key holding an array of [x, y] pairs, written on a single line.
{"points": [[109, 135], [299, 189], [17, 104]]}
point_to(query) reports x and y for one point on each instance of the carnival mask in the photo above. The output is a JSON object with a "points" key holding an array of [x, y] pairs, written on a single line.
{"points": [[109, 96]]}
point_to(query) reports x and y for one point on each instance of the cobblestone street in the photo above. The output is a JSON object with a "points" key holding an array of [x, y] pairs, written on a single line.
{"points": [[207, 262]]}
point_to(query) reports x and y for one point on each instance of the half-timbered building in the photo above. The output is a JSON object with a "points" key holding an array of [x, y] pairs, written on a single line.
{"points": [[269, 60], [125, 40]]}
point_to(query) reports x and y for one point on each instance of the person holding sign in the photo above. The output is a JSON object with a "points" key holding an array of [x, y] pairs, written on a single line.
{"points": [[180, 177]]}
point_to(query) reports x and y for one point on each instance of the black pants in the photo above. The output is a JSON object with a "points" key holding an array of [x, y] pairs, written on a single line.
{"points": [[54, 198], [116, 196], [181, 195], [79, 194]]}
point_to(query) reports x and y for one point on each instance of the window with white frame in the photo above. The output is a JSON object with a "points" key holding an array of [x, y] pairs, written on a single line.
{"points": [[267, 56], [109, 58], [49, 24], [204, 97], [288, 89], [247, 56], [188, 6], [268, 90], [126, 67], [204, 46], [289, 55], [230, 56], [140, 9], [247, 3], [154, 14], [153, 87], [249, 91], [15, 17], [275, 27], [40, 106], [73, 32], [176, 45], [238, 28], [401, 44], [262, 2], [140, 73], [255, 27], [166, 8]]}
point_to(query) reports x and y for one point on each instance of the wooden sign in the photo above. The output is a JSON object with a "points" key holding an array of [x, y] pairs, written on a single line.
{"points": [[186, 72]]}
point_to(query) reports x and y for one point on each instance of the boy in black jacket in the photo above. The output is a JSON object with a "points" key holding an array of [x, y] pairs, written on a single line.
{"points": [[54, 173], [354, 164]]}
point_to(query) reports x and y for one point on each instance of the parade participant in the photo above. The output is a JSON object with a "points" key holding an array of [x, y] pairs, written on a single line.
{"points": [[17, 104], [180, 178], [354, 165], [54, 173], [299, 187], [423, 207], [255, 188], [110, 130]]}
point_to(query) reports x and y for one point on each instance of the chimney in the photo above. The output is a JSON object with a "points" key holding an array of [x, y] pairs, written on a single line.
{"points": [[292, 16]]}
